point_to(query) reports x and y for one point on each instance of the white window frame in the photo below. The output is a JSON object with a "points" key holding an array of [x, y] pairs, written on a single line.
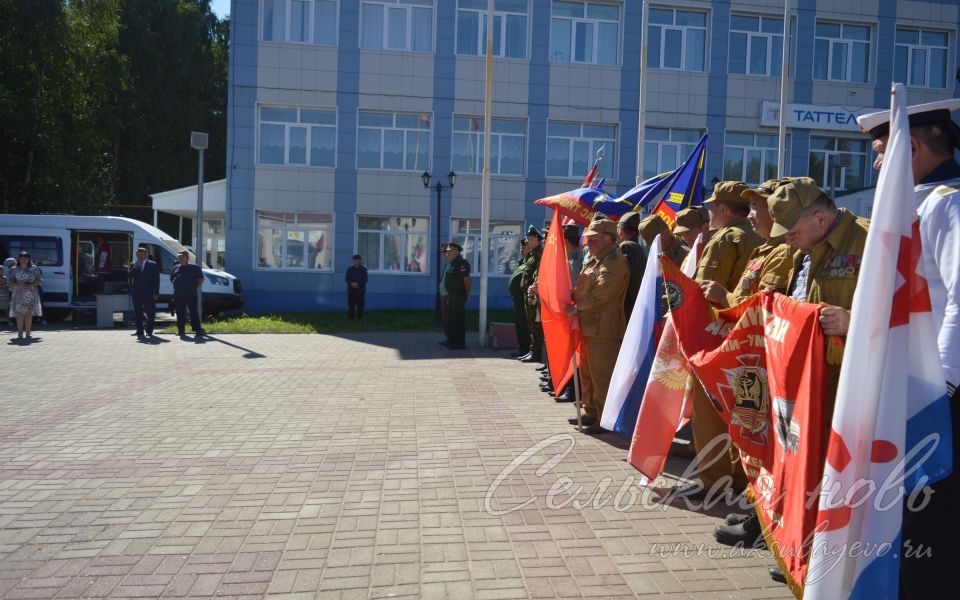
{"points": [[848, 42], [865, 175], [683, 29], [428, 256], [288, 11], [774, 59], [683, 148], [408, 6], [765, 157], [610, 153], [287, 125], [295, 225], [473, 245], [911, 48], [574, 21], [499, 50], [407, 131], [496, 140]]}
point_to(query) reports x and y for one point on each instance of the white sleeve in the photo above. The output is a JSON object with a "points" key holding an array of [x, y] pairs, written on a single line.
{"points": [[944, 234]]}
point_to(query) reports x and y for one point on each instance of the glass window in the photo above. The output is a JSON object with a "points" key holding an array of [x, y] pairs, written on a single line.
{"points": [[920, 58], [292, 136], [397, 25], [841, 52], [393, 141], [573, 147], [44, 251], [504, 238], [665, 149], [585, 32], [394, 244], [750, 157], [756, 45], [507, 144], [509, 23], [309, 22], [839, 164], [295, 241], [678, 39]]}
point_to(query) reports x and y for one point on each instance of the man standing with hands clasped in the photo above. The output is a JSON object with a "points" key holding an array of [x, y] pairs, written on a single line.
{"points": [[186, 279], [144, 291], [457, 282]]}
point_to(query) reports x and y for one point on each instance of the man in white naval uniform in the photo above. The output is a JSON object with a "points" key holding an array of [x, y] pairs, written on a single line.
{"points": [[933, 138]]}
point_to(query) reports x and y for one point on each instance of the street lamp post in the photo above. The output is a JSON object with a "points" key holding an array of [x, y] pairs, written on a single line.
{"points": [[451, 180], [199, 141]]}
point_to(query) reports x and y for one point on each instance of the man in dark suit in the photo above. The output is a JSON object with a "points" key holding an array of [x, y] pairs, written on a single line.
{"points": [[144, 290]]}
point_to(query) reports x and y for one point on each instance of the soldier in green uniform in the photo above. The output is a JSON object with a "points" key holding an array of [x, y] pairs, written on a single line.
{"points": [[691, 222], [673, 248], [519, 299], [532, 262], [457, 282]]}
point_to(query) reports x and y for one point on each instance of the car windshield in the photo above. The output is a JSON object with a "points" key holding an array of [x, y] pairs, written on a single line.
{"points": [[177, 248]]}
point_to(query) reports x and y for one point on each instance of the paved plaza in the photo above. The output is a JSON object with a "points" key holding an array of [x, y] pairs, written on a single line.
{"points": [[314, 466]]}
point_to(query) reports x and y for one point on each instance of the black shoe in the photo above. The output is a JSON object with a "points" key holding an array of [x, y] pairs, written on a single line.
{"points": [[566, 396], [519, 353], [529, 358], [746, 534], [593, 428], [542, 369], [181, 333], [735, 518], [586, 420], [444, 343], [525, 356], [777, 575]]}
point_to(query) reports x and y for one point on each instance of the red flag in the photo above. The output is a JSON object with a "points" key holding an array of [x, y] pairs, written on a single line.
{"points": [[560, 331], [588, 180]]}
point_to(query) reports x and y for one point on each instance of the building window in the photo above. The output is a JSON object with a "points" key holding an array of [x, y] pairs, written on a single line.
{"points": [[394, 244], [504, 237], [756, 45], [572, 148], [839, 164], [397, 25], [678, 39], [509, 28], [298, 136], [300, 21], [842, 52], [921, 58], [295, 241], [751, 158], [584, 32], [507, 142], [665, 149], [395, 141]]}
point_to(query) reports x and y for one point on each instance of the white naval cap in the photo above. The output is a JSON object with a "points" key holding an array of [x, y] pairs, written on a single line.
{"points": [[877, 124]]}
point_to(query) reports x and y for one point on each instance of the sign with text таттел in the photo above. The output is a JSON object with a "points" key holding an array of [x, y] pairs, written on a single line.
{"points": [[813, 116]]}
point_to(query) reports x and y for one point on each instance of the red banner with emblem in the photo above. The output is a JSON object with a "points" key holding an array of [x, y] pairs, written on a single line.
{"points": [[762, 364]]}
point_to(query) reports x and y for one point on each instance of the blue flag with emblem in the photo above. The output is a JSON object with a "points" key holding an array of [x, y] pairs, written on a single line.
{"points": [[686, 190]]}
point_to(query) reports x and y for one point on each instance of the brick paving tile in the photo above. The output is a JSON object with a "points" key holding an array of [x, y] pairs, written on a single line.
{"points": [[341, 467]]}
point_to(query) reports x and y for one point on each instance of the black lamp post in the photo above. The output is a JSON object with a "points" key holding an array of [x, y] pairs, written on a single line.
{"points": [[451, 180]]}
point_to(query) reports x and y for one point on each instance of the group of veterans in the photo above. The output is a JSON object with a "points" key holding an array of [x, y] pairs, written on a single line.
{"points": [[788, 236]]}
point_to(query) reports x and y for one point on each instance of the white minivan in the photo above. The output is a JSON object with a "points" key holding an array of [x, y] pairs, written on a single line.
{"points": [[80, 257]]}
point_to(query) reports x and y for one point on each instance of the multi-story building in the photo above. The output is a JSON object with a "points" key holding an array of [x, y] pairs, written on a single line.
{"points": [[337, 108]]}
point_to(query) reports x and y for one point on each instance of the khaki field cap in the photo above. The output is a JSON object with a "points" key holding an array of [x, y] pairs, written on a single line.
{"points": [[651, 227], [601, 226], [689, 219], [630, 219], [766, 189], [728, 191], [786, 204]]}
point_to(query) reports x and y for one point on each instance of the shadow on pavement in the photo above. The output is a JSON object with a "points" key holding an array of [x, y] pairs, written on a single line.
{"points": [[203, 339]]}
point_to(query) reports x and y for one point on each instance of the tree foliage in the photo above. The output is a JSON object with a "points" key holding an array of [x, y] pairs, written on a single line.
{"points": [[98, 98]]}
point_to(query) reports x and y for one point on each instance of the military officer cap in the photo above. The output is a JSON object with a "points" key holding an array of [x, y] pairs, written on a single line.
{"points": [[787, 202], [689, 219], [454, 246], [728, 191], [571, 233], [651, 227], [765, 190], [601, 226], [535, 232], [630, 220], [932, 113]]}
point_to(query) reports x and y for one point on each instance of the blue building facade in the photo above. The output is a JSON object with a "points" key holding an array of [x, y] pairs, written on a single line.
{"points": [[337, 107]]}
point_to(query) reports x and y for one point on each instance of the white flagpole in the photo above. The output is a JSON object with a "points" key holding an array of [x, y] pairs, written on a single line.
{"points": [[642, 106], [784, 91], [485, 190]]}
